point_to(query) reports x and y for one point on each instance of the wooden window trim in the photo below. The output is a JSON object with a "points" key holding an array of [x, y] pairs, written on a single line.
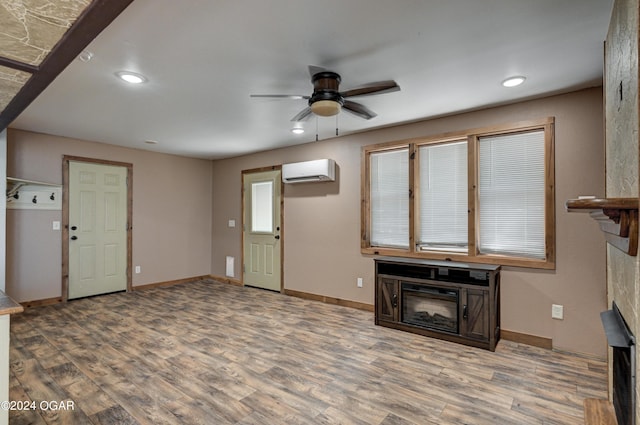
{"points": [[472, 136]]}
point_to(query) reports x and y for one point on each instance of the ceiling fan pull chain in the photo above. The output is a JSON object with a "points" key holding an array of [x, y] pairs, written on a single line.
{"points": [[336, 125], [316, 128]]}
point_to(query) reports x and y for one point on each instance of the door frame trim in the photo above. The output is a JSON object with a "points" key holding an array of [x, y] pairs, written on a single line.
{"points": [[65, 216], [282, 232]]}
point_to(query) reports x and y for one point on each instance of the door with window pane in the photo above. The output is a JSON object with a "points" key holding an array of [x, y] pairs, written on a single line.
{"points": [[262, 230]]}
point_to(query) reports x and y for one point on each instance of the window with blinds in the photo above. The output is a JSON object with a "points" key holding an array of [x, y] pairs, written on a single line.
{"points": [[483, 195], [390, 198], [511, 193], [443, 201]]}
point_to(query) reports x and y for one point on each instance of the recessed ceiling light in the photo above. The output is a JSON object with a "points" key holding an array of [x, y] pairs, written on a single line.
{"points": [[297, 130], [513, 81], [131, 77]]}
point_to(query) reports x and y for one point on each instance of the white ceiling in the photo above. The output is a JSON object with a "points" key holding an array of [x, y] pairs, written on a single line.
{"points": [[204, 58]]}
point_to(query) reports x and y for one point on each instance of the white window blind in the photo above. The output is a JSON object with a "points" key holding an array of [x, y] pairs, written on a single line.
{"points": [[389, 199], [444, 197], [512, 194]]}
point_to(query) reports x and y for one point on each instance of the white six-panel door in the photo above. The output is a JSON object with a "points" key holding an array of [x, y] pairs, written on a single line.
{"points": [[97, 229]]}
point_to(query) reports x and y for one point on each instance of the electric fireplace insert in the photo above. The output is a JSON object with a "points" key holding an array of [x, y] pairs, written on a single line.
{"points": [[431, 307]]}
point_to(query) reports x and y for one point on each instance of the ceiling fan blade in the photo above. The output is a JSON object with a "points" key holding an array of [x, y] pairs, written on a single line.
{"points": [[302, 115], [373, 88], [313, 70], [358, 109], [281, 96]]}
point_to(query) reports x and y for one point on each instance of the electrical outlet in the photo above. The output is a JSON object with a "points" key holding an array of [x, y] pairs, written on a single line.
{"points": [[359, 282], [137, 269], [557, 311]]}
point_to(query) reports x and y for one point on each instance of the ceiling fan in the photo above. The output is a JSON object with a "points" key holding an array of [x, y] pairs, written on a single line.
{"points": [[326, 99]]}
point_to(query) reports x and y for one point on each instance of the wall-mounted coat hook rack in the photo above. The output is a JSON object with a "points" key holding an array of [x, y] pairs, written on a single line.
{"points": [[29, 194]]}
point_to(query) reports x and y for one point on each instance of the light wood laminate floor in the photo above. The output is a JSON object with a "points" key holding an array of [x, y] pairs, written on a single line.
{"points": [[212, 353]]}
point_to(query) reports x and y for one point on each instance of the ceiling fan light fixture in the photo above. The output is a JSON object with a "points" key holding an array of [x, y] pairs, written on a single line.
{"points": [[297, 130], [326, 108]]}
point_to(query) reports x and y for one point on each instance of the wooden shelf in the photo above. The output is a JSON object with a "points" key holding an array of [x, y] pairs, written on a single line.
{"points": [[617, 217]]}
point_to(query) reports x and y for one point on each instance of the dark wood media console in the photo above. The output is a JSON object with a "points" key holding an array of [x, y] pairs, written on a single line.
{"points": [[457, 302]]}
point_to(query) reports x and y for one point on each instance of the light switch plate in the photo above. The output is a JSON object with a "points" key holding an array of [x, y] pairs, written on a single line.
{"points": [[56, 225], [232, 223], [557, 311]]}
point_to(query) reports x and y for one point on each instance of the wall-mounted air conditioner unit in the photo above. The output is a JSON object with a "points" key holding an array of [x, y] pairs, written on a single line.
{"points": [[318, 170]]}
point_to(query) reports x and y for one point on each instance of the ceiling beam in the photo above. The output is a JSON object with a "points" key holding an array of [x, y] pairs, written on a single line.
{"points": [[20, 66], [95, 18]]}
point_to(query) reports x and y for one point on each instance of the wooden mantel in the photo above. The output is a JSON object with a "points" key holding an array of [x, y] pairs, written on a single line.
{"points": [[617, 217]]}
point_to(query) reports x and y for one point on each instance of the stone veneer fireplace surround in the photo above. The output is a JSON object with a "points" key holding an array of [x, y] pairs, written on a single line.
{"points": [[622, 123]]}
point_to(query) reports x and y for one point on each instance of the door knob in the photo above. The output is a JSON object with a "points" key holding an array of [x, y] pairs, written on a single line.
{"points": [[73, 238], [74, 227], [277, 236]]}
